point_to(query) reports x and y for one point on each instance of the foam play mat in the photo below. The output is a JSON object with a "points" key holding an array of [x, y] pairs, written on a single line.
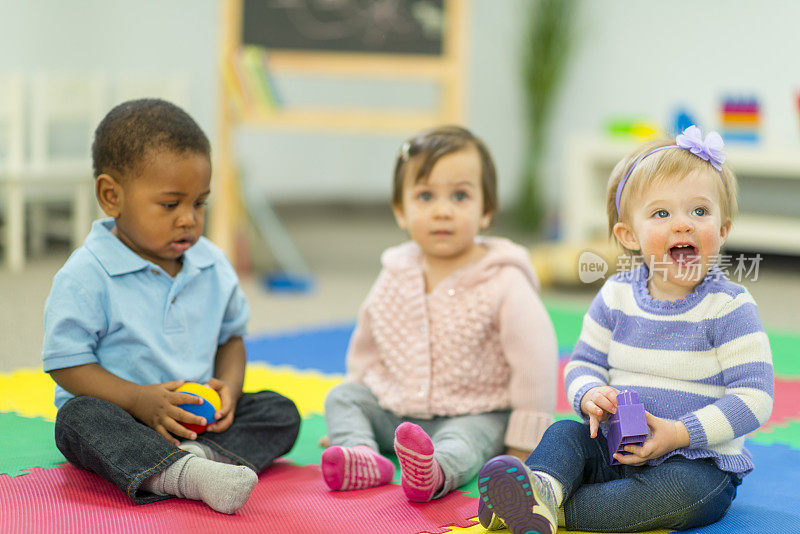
{"points": [[40, 492]]}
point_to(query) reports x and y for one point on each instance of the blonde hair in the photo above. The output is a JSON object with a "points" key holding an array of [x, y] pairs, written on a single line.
{"points": [[658, 168]]}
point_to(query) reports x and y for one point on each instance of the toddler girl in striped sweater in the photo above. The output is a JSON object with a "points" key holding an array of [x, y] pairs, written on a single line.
{"points": [[454, 357], [674, 330]]}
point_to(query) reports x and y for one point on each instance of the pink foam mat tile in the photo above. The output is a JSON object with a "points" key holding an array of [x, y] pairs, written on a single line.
{"points": [[787, 402], [287, 499]]}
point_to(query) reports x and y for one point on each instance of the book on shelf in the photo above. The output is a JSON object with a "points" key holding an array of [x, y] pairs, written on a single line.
{"points": [[276, 98], [257, 80], [248, 83], [233, 87]]}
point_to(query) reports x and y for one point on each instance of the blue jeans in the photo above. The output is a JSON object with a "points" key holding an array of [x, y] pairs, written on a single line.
{"points": [[462, 444], [101, 437], [677, 494]]}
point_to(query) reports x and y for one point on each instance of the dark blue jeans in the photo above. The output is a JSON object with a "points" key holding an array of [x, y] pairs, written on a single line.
{"points": [[101, 437], [677, 494]]}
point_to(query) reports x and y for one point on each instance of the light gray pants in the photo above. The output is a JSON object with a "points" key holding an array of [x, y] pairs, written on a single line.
{"points": [[462, 444]]}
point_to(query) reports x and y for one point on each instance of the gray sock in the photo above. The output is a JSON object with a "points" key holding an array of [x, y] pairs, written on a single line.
{"points": [[201, 450], [223, 487]]}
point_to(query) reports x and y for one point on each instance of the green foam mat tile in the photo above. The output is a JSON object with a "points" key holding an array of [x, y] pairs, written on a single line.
{"points": [[785, 353], [306, 450], [567, 322], [787, 434], [27, 442]]}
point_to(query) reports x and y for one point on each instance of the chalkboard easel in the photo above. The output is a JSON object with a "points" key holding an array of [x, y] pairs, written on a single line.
{"points": [[394, 45], [407, 27]]}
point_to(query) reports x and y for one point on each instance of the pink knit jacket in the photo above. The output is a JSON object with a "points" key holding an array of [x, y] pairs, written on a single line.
{"points": [[480, 341]]}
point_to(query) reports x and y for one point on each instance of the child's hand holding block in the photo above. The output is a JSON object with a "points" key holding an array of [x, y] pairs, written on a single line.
{"points": [[628, 426]]}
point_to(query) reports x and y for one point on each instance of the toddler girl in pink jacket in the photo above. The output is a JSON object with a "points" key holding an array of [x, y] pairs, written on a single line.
{"points": [[454, 357]]}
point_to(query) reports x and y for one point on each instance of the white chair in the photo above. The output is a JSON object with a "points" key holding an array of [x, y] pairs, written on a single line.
{"points": [[64, 111], [12, 141]]}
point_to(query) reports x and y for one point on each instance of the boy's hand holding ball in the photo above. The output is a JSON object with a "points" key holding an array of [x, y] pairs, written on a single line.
{"points": [[228, 401], [208, 409]]}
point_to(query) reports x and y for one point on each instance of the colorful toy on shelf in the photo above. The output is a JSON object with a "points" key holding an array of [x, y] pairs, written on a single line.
{"points": [[681, 120], [628, 426], [623, 127], [740, 119], [211, 403]]}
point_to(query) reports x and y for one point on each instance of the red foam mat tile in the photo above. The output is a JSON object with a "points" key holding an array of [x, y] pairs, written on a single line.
{"points": [[787, 402], [287, 499]]}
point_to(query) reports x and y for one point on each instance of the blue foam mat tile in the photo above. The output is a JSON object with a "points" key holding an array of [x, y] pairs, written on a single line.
{"points": [[749, 518], [767, 500], [322, 349]]}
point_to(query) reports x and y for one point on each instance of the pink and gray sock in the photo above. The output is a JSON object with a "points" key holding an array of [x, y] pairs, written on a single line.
{"points": [[351, 468], [420, 474]]}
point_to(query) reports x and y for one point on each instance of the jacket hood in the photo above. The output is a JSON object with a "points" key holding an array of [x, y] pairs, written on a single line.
{"points": [[501, 252]]}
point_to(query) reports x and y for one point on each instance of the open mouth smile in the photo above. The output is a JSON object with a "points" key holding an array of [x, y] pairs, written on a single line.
{"points": [[684, 254]]}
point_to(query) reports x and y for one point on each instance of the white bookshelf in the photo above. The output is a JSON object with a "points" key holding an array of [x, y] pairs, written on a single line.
{"points": [[589, 162]]}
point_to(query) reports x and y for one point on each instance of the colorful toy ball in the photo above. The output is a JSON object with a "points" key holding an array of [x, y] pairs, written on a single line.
{"points": [[211, 403]]}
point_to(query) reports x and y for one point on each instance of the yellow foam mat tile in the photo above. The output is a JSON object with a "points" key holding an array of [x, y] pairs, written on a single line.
{"points": [[478, 529], [306, 388], [29, 392]]}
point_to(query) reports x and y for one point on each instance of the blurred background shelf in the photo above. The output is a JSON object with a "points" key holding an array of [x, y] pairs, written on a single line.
{"points": [[769, 184], [341, 120]]}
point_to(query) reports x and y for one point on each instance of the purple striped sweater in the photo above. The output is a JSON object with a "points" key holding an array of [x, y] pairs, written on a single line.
{"points": [[704, 360]]}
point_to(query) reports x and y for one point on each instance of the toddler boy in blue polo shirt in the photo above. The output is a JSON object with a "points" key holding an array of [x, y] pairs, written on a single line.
{"points": [[146, 304]]}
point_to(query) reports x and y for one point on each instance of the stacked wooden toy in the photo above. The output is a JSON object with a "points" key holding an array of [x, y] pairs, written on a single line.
{"points": [[740, 119]]}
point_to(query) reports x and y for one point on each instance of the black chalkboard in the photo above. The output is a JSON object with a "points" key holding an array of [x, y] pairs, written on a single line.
{"points": [[367, 26]]}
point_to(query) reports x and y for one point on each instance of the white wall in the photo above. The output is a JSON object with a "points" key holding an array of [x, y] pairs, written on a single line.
{"points": [[646, 58], [116, 38], [634, 57]]}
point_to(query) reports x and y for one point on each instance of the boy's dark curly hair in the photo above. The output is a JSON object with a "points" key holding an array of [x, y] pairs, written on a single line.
{"points": [[130, 130]]}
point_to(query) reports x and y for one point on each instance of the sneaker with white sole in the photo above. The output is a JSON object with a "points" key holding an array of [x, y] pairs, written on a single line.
{"points": [[523, 501]]}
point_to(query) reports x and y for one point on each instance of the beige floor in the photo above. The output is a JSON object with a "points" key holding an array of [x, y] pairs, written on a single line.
{"points": [[342, 245]]}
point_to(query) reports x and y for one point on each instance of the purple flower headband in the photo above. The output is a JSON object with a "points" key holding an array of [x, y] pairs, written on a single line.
{"points": [[708, 149]]}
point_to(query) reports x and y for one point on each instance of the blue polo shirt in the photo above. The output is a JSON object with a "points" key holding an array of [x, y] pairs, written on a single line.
{"points": [[110, 306]]}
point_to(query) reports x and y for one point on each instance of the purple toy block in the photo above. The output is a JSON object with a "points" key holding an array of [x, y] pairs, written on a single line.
{"points": [[628, 426]]}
